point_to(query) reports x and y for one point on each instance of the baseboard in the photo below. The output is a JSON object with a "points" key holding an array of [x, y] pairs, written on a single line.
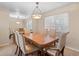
{"points": [[72, 48], [4, 44]]}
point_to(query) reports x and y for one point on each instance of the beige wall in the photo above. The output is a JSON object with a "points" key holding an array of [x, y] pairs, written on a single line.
{"points": [[73, 11], [6, 24]]}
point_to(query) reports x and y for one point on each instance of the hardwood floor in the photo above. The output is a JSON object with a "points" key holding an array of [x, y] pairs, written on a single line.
{"points": [[69, 52], [10, 50]]}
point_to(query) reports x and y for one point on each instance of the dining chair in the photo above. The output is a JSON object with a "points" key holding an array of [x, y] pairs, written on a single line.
{"points": [[52, 33], [59, 48], [26, 48], [14, 39]]}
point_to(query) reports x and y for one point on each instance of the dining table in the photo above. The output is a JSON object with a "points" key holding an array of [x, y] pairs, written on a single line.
{"points": [[40, 40]]}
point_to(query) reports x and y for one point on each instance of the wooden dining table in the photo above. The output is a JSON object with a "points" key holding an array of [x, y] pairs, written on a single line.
{"points": [[40, 40]]}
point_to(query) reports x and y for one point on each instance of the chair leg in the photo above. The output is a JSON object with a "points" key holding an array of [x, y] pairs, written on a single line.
{"points": [[39, 53], [19, 53], [62, 52], [16, 50]]}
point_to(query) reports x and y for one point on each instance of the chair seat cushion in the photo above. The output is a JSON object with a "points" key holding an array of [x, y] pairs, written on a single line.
{"points": [[52, 52], [30, 48]]}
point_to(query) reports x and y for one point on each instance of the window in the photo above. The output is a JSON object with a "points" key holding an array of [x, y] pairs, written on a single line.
{"points": [[49, 23], [58, 22], [29, 25]]}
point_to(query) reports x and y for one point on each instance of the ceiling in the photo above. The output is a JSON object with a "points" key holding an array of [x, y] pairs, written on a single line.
{"points": [[26, 8]]}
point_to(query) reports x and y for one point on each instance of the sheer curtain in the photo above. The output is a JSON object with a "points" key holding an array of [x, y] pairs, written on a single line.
{"points": [[57, 23], [62, 22], [38, 25]]}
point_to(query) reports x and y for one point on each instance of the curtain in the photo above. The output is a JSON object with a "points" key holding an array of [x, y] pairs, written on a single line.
{"points": [[38, 25]]}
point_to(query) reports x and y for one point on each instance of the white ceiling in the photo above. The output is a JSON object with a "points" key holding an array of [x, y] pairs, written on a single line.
{"points": [[26, 8]]}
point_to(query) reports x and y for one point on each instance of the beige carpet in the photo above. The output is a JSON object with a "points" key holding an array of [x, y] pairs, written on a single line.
{"points": [[10, 50]]}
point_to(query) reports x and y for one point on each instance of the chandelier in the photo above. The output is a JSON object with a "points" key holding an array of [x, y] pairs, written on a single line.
{"points": [[36, 12]]}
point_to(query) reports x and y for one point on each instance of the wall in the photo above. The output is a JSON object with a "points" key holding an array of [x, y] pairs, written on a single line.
{"points": [[73, 11], [6, 24]]}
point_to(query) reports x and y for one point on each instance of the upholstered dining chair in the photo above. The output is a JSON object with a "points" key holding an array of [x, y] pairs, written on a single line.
{"points": [[26, 49], [13, 37], [59, 48], [52, 33]]}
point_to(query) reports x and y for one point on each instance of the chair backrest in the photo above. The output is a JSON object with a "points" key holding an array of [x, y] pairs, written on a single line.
{"points": [[45, 32], [12, 36], [21, 42], [16, 38], [62, 41], [52, 33]]}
